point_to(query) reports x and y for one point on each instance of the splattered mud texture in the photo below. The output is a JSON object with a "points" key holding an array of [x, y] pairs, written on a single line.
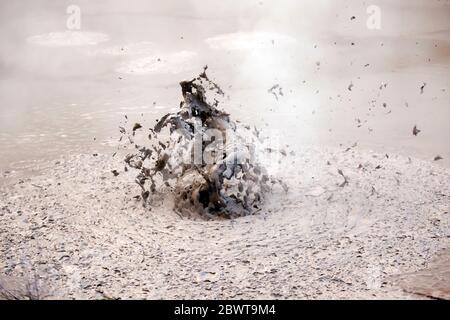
{"points": [[79, 229], [208, 161]]}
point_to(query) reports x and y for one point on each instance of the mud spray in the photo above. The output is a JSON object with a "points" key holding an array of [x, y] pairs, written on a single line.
{"points": [[211, 164]]}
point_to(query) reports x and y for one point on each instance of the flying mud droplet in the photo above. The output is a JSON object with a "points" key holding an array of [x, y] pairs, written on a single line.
{"points": [[276, 90], [136, 126], [422, 87]]}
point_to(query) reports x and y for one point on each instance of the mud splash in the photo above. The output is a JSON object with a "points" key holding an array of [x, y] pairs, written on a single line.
{"points": [[210, 163]]}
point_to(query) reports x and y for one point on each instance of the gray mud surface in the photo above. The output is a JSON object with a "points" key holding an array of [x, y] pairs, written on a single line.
{"points": [[79, 229]]}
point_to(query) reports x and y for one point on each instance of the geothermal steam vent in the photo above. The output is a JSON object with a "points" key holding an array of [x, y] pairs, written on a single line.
{"points": [[210, 163]]}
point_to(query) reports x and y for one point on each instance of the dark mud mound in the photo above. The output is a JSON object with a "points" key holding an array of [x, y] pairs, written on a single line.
{"points": [[209, 162]]}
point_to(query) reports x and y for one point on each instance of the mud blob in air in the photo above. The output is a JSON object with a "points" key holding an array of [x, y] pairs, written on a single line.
{"points": [[227, 181]]}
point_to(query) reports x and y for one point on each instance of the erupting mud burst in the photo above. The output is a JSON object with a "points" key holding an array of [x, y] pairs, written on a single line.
{"points": [[210, 163]]}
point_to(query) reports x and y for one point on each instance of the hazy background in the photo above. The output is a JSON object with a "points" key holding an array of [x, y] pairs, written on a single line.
{"points": [[65, 98]]}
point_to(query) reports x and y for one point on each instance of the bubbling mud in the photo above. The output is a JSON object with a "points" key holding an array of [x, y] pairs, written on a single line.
{"points": [[210, 163]]}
